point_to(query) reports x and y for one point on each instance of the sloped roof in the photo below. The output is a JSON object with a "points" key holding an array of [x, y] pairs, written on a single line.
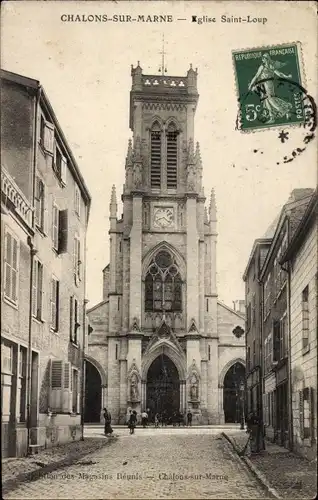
{"points": [[270, 231], [302, 228], [294, 211], [237, 313]]}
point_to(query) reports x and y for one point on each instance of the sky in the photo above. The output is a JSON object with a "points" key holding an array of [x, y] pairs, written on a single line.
{"points": [[85, 70]]}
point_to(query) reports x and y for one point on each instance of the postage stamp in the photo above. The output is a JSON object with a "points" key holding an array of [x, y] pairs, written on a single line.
{"points": [[262, 77]]}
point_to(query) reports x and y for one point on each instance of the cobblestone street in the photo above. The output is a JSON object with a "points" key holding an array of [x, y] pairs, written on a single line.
{"points": [[153, 463]]}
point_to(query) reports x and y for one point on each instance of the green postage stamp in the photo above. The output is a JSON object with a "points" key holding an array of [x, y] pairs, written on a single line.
{"points": [[269, 86]]}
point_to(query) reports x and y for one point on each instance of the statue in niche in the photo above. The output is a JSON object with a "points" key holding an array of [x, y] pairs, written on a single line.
{"points": [[134, 388], [137, 175], [194, 390], [191, 178]]}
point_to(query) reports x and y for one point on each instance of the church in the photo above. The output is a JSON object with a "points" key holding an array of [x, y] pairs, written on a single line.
{"points": [[160, 340]]}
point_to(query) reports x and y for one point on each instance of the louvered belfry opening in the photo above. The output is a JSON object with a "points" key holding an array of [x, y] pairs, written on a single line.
{"points": [[172, 157], [155, 176]]}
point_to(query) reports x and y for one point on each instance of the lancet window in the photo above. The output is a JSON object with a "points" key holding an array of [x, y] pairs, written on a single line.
{"points": [[163, 284]]}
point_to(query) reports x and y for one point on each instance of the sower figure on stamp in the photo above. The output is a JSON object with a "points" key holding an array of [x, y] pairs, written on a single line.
{"points": [[273, 106]]}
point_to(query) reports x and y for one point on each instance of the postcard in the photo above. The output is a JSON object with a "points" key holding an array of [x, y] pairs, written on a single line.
{"points": [[159, 228]]}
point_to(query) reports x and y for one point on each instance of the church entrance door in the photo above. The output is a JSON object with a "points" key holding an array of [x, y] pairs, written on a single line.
{"points": [[163, 387], [233, 398], [93, 393]]}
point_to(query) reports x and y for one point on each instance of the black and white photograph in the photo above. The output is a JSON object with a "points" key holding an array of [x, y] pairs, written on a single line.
{"points": [[159, 255]]}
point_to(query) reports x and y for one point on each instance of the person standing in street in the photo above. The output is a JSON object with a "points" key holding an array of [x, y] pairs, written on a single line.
{"points": [[189, 419], [132, 421], [144, 419], [107, 422], [156, 420]]}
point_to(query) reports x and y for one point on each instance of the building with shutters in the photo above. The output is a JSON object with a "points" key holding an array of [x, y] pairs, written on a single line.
{"points": [[269, 340], [301, 259], [253, 324], [44, 214], [160, 340]]}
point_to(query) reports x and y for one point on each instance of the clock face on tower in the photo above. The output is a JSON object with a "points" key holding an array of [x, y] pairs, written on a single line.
{"points": [[163, 217]]}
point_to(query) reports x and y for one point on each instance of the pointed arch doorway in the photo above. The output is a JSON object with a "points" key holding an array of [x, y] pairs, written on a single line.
{"points": [[163, 387], [232, 397], [93, 393]]}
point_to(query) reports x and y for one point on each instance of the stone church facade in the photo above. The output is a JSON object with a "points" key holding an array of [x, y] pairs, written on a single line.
{"points": [[160, 339]]}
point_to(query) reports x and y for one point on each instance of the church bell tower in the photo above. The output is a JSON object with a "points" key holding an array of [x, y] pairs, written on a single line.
{"points": [[162, 277]]}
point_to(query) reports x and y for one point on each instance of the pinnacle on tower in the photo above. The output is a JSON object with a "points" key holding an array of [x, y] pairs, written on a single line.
{"points": [[113, 203], [137, 149], [198, 159], [212, 207], [206, 218], [129, 153], [191, 153]]}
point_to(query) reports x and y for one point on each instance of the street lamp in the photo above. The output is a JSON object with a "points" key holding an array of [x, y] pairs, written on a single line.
{"points": [[242, 387]]}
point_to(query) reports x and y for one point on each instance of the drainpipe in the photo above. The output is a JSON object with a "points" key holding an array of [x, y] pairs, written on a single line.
{"points": [[290, 391], [32, 254], [83, 364], [83, 370], [29, 368], [261, 371]]}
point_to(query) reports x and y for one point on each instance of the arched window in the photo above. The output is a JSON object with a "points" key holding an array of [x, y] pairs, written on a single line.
{"points": [[163, 284], [172, 156], [155, 156]]}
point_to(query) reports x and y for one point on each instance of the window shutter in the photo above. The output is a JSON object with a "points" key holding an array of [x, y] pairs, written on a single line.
{"points": [[79, 262], [14, 270], [56, 385], [8, 265], [53, 303], [63, 169], [34, 287], [276, 347], [75, 255], [37, 201], [301, 414], [39, 290], [63, 231], [55, 227], [67, 399], [71, 319], [75, 322], [77, 201], [49, 137], [78, 391], [312, 414], [57, 310]]}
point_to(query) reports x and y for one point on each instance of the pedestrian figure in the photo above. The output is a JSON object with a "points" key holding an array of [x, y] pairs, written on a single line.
{"points": [[253, 427], [163, 418], [174, 418], [156, 420], [144, 419], [132, 421], [189, 419], [107, 418]]}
